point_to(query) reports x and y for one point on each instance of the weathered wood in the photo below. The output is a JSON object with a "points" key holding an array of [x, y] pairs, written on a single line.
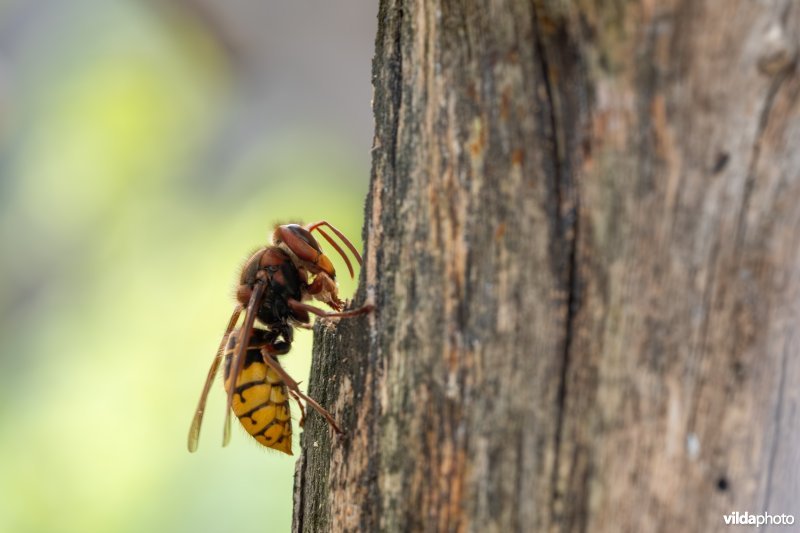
{"points": [[583, 242]]}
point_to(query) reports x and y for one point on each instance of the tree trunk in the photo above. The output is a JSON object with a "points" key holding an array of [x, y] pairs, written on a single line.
{"points": [[583, 243]]}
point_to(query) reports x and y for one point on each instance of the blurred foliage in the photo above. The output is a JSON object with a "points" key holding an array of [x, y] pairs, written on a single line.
{"points": [[120, 253]]}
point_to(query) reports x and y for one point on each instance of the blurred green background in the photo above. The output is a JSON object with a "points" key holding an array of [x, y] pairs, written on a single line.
{"points": [[145, 149]]}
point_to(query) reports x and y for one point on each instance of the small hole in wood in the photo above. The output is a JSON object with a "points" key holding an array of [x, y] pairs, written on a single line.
{"points": [[722, 484], [721, 162]]}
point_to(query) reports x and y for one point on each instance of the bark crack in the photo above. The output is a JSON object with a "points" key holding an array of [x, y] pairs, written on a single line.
{"points": [[755, 154], [396, 87], [694, 361], [567, 233], [773, 453]]}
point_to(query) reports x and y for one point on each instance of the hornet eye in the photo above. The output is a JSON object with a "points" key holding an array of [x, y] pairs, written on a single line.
{"points": [[303, 234]]}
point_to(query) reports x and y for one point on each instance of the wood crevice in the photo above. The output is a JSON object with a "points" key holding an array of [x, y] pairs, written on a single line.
{"points": [[567, 231], [776, 437], [755, 153]]}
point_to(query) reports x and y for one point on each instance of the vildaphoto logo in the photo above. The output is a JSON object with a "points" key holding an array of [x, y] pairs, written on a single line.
{"points": [[748, 519]]}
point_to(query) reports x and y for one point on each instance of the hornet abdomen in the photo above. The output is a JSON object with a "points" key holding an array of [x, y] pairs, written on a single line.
{"points": [[260, 399]]}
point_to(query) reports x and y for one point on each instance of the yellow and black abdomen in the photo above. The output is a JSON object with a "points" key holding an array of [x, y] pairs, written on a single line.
{"points": [[260, 399]]}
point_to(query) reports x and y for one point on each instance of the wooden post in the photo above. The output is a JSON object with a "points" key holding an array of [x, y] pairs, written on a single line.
{"points": [[583, 242]]}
